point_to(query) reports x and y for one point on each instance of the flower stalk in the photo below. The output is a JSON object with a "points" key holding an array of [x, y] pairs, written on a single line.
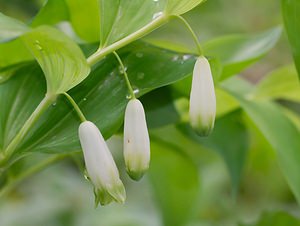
{"points": [[132, 95]]}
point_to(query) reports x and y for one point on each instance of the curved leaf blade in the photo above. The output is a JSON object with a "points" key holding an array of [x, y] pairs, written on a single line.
{"points": [[282, 83], [239, 51], [283, 136], [13, 52], [178, 7], [122, 18], [60, 58]]}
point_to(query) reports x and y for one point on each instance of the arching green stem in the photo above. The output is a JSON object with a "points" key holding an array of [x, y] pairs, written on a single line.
{"points": [[41, 108], [76, 107], [125, 75], [188, 26]]}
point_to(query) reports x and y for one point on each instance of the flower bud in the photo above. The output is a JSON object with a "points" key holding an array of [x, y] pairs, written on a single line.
{"points": [[100, 165], [136, 140], [202, 98]]}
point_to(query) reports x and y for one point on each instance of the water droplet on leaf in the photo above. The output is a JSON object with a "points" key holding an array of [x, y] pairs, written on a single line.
{"points": [[139, 55], [121, 69], [140, 75]]}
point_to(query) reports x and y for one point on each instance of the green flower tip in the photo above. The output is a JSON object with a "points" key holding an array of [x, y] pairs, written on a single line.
{"points": [[115, 193], [136, 174], [203, 131]]}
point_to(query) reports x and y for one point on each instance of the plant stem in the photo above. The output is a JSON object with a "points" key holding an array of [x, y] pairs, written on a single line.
{"points": [[101, 53], [40, 109], [125, 75], [188, 26], [76, 107], [35, 169]]}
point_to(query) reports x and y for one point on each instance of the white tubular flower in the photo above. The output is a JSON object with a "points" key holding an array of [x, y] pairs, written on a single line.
{"points": [[202, 98], [100, 165], [136, 140]]}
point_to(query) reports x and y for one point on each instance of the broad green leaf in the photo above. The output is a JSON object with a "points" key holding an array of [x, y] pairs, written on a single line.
{"points": [[123, 18], [53, 12], [7, 72], [282, 135], [177, 7], [19, 96], [282, 83], [237, 52], [13, 52], [276, 219], [230, 140], [102, 97], [291, 11], [175, 181], [234, 52], [84, 16], [10, 28], [60, 58]]}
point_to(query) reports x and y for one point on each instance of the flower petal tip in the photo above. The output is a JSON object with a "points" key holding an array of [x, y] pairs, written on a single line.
{"points": [[136, 175]]}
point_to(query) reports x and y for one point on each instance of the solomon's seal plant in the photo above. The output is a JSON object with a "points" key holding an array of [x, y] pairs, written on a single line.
{"points": [[64, 66], [101, 67]]}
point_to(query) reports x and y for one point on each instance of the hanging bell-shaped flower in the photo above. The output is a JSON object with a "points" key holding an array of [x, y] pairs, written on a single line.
{"points": [[136, 140], [202, 98], [100, 165]]}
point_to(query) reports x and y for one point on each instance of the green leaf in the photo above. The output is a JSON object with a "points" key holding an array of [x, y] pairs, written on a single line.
{"points": [[282, 83], [10, 28], [291, 11], [121, 18], [179, 202], [276, 219], [60, 58], [282, 135], [178, 7], [237, 52], [7, 72], [13, 52], [53, 12], [102, 98]]}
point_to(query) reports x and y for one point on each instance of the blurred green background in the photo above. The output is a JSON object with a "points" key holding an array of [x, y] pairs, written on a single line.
{"points": [[60, 196]]}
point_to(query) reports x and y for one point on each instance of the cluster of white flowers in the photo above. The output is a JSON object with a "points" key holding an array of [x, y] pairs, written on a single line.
{"points": [[99, 162]]}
